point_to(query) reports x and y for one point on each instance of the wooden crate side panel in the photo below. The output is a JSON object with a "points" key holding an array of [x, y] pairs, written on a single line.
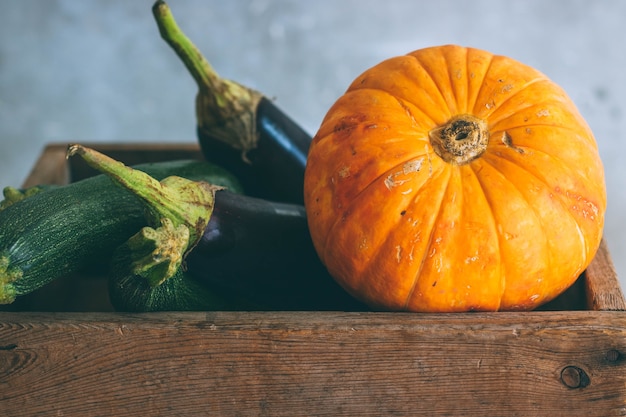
{"points": [[50, 168], [328, 364], [133, 154], [602, 284]]}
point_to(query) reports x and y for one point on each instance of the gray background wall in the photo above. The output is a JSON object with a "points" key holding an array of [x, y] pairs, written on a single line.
{"points": [[97, 70]]}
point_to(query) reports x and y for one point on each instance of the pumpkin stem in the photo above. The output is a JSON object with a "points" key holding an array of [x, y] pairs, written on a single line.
{"points": [[461, 140]]}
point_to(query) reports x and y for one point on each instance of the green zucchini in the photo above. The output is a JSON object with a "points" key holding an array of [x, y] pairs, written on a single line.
{"points": [[64, 229]]}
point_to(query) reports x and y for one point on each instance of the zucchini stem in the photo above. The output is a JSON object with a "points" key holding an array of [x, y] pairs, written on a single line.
{"points": [[225, 109], [13, 195], [8, 276]]}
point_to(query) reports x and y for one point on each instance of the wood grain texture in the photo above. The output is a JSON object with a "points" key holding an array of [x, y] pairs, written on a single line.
{"points": [[133, 154], [323, 364], [602, 284], [50, 167]]}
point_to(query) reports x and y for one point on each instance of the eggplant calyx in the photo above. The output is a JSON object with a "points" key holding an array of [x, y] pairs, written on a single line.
{"points": [[225, 109], [156, 254], [182, 201]]}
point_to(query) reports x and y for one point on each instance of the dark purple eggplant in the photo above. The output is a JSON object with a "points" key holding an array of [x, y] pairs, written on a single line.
{"points": [[274, 168], [254, 255], [240, 128], [205, 247], [262, 251]]}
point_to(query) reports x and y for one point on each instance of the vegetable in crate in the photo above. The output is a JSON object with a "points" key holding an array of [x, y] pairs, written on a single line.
{"points": [[262, 250], [62, 229], [12, 195], [240, 252], [239, 128], [179, 210], [452, 179]]}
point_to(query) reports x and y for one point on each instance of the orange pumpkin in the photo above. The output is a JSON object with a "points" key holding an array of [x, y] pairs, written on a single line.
{"points": [[452, 179]]}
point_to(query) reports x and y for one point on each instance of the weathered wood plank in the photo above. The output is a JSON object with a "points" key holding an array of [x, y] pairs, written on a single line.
{"points": [[50, 168], [602, 285], [135, 153], [53, 168], [324, 364]]}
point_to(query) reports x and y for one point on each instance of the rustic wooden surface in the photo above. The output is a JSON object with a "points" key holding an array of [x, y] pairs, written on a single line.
{"points": [[50, 167], [53, 168], [317, 364], [602, 284], [552, 363]]}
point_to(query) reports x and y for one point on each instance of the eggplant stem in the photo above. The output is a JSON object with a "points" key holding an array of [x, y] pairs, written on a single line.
{"points": [[184, 202], [200, 69], [225, 109], [157, 253]]}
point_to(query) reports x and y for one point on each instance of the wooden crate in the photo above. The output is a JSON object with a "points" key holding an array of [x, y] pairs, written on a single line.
{"points": [[64, 352]]}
